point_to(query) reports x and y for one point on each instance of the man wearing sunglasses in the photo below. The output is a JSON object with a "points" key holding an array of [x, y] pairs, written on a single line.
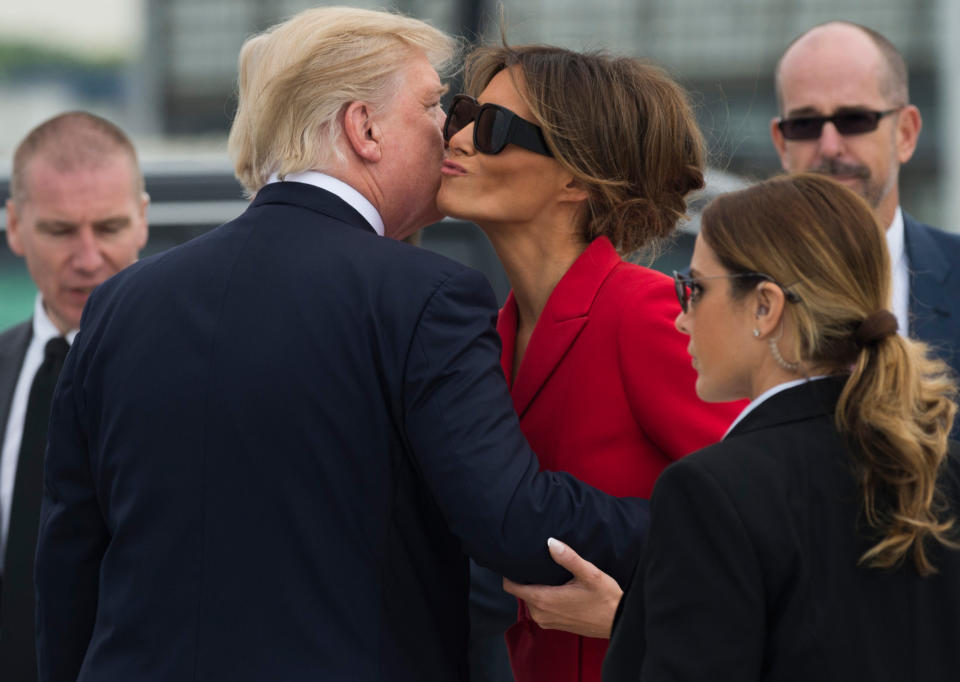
{"points": [[845, 111]]}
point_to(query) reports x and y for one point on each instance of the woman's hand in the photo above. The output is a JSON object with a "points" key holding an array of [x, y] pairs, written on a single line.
{"points": [[584, 606]]}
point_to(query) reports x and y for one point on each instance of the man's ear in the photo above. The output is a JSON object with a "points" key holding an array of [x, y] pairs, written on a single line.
{"points": [[909, 123], [144, 225], [362, 133], [778, 142], [13, 229]]}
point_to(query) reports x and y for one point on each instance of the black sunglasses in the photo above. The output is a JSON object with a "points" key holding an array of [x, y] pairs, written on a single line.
{"points": [[495, 127], [851, 122], [684, 285]]}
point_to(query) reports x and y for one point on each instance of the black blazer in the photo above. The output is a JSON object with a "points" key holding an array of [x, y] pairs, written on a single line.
{"points": [[18, 658], [750, 571], [271, 450]]}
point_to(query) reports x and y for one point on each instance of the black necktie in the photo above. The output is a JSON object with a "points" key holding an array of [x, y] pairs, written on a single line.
{"points": [[18, 660]]}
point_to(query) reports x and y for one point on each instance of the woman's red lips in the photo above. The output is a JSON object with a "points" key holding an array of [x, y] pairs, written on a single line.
{"points": [[451, 168]]}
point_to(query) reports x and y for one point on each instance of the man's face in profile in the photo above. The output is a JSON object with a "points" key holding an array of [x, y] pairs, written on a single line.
{"points": [[413, 148], [75, 229]]}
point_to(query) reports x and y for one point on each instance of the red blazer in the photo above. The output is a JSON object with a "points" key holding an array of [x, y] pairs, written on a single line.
{"points": [[606, 392]]}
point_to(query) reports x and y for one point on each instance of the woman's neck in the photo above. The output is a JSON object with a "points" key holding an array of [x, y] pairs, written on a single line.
{"points": [[535, 260]]}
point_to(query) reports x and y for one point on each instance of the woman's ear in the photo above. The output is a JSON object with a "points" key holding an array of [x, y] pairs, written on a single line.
{"points": [[767, 307], [362, 133], [574, 191]]}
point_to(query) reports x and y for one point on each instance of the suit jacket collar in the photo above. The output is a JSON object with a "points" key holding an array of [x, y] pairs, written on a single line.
{"points": [[807, 401], [560, 323], [312, 198], [13, 348], [925, 257], [930, 301]]}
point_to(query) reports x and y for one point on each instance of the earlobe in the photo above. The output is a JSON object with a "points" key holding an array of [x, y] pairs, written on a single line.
{"points": [[362, 133]]}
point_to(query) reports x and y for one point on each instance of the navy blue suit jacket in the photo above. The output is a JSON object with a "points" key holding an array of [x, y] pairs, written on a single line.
{"points": [[270, 451], [934, 259]]}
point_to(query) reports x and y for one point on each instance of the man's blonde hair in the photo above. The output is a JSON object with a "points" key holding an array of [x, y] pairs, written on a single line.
{"points": [[296, 78]]}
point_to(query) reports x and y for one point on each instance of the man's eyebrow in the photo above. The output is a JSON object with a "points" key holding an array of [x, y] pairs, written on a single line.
{"points": [[443, 89], [115, 220], [55, 224], [803, 111]]}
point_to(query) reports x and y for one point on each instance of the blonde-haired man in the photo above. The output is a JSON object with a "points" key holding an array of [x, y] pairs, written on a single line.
{"points": [[301, 426]]}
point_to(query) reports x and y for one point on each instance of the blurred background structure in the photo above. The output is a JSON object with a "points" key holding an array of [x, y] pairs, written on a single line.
{"points": [[164, 71]]}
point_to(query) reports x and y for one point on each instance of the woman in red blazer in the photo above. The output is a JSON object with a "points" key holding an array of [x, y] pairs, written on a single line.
{"points": [[567, 160]]}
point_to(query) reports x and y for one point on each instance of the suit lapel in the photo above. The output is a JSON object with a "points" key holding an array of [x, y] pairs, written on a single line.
{"points": [[929, 267], [561, 321], [806, 401], [12, 351]]}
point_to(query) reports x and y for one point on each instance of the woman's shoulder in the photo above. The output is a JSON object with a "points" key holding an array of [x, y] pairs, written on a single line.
{"points": [[772, 459], [632, 277]]}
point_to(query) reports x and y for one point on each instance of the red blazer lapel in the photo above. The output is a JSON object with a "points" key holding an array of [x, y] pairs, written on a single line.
{"points": [[560, 323]]}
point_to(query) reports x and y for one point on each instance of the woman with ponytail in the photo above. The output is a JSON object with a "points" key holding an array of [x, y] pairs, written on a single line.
{"points": [[819, 539], [568, 161]]}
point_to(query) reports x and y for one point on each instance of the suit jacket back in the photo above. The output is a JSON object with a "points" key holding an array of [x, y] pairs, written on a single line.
{"points": [[269, 450]]}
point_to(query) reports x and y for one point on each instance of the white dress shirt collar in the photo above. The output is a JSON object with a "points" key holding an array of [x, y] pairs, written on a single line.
{"points": [[899, 273], [43, 327], [356, 200], [766, 395]]}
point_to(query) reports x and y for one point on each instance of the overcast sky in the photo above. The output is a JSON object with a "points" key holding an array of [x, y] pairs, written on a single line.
{"points": [[89, 26]]}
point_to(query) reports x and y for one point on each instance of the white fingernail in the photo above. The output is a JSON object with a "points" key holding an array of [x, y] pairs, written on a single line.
{"points": [[558, 546]]}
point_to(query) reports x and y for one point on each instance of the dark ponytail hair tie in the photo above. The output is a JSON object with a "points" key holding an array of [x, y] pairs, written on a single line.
{"points": [[876, 327]]}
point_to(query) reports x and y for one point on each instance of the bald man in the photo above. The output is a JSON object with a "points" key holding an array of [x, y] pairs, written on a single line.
{"points": [[77, 215], [845, 111]]}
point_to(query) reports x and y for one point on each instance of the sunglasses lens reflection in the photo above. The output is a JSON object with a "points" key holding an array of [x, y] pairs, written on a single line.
{"points": [[460, 116], [802, 128], [856, 122], [683, 294], [847, 123]]}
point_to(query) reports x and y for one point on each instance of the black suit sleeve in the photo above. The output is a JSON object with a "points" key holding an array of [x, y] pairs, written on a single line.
{"points": [[466, 437], [72, 539], [696, 609]]}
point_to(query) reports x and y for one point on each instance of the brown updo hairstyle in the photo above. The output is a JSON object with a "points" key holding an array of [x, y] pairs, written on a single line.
{"points": [[897, 406], [622, 127]]}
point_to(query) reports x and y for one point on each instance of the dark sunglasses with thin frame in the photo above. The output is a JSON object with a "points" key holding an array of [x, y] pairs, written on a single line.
{"points": [[683, 284], [848, 122], [494, 127]]}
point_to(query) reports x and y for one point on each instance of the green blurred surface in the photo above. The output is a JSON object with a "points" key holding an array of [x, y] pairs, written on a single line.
{"points": [[16, 292]]}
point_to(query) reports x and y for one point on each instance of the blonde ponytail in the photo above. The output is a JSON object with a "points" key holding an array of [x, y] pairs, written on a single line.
{"points": [[897, 410]]}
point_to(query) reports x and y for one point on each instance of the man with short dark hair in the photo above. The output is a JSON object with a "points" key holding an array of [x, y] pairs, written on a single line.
{"points": [[845, 111], [77, 215]]}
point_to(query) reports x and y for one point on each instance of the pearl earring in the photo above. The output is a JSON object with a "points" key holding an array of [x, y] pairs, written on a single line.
{"points": [[756, 332], [780, 360]]}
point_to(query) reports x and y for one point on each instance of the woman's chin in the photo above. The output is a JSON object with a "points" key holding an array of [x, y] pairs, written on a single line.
{"points": [[446, 205]]}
